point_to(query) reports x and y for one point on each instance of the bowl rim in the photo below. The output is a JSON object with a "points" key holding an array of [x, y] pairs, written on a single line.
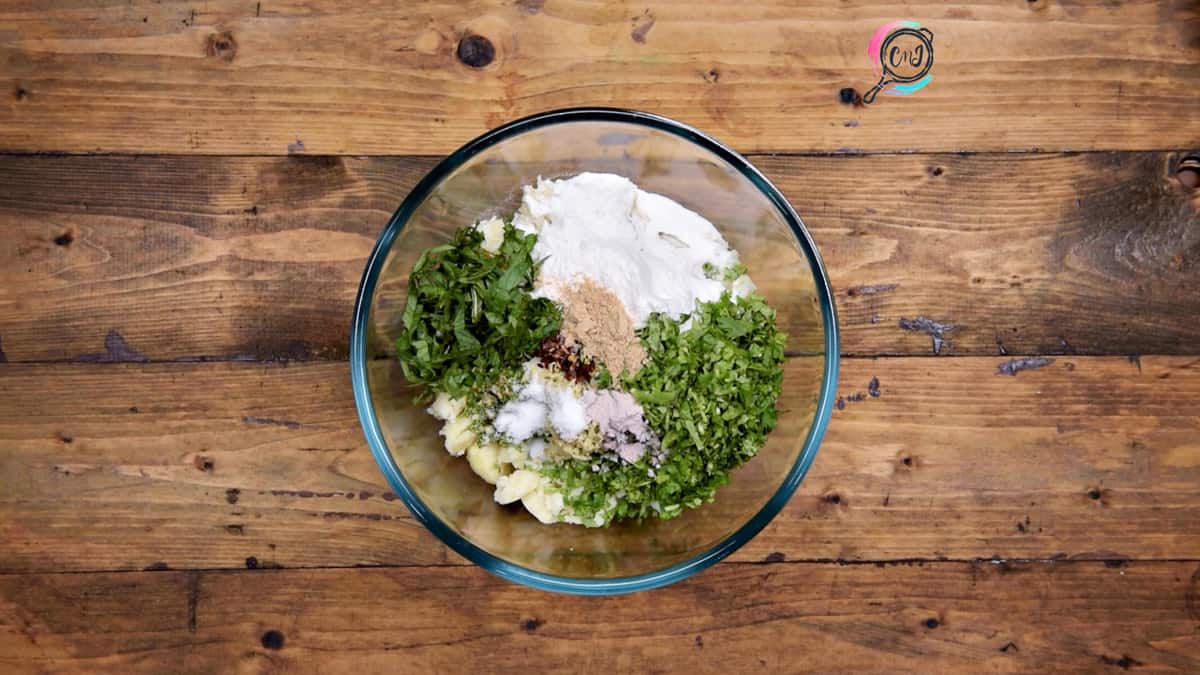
{"points": [[513, 571]]}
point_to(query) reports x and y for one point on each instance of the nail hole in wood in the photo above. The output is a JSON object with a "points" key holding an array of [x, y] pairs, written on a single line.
{"points": [[272, 639]]}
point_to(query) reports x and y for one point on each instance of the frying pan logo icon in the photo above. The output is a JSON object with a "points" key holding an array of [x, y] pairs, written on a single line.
{"points": [[902, 52]]}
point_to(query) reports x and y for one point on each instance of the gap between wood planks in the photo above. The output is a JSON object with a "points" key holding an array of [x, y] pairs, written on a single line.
{"points": [[788, 354], [849, 152], [1001, 563]]}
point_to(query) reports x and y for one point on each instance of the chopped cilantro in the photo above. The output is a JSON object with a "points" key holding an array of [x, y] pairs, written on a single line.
{"points": [[709, 393], [734, 271], [470, 318], [603, 379], [730, 273]]}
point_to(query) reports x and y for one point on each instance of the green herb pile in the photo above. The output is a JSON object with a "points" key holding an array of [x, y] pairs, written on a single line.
{"points": [[709, 392], [470, 319]]}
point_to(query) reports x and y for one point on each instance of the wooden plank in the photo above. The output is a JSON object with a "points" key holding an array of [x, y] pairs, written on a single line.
{"points": [[977, 617], [1092, 253], [265, 254], [129, 466], [322, 76], [193, 465]]}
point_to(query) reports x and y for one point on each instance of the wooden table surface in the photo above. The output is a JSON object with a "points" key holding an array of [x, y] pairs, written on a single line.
{"points": [[189, 191]]}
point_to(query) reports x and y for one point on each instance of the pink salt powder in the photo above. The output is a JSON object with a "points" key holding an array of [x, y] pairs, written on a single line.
{"points": [[621, 422]]}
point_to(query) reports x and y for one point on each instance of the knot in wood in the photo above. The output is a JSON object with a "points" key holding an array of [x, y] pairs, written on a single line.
{"points": [[221, 46], [476, 51]]}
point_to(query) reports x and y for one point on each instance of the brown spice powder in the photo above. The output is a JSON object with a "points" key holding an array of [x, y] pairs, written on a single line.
{"points": [[595, 318]]}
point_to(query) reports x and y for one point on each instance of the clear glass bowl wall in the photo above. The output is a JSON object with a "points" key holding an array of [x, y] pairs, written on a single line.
{"points": [[484, 179]]}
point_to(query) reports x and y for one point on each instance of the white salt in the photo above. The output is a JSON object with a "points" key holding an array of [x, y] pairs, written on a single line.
{"points": [[537, 403], [567, 414], [536, 448], [520, 419]]}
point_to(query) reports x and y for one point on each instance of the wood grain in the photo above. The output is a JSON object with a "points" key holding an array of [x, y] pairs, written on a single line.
{"points": [[978, 617], [184, 486], [326, 77], [133, 466], [164, 258]]}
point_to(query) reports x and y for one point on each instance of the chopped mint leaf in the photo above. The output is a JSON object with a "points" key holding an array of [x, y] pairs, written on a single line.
{"points": [[470, 319]]}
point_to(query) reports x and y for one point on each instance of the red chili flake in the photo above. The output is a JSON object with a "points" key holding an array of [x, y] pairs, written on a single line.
{"points": [[554, 352]]}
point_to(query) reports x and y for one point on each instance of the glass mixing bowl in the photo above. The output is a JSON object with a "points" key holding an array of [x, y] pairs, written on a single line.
{"points": [[485, 178]]}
